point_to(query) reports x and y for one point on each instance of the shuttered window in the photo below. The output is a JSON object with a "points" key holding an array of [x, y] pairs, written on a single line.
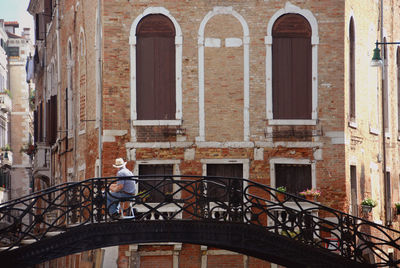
{"points": [[352, 72], [224, 189], [155, 56], [156, 186], [295, 178], [291, 68]]}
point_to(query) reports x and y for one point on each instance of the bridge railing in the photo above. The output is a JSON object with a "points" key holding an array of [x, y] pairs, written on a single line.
{"points": [[57, 209]]}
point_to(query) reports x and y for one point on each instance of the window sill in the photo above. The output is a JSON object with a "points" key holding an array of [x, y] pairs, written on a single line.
{"points": [[297, 122], [373, 131], [177, 122], [353, 124]]}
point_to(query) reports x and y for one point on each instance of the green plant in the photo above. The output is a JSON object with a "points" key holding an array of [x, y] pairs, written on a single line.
{"points": [[281, 189], [369, 202], [6, 148], [397, 205]]}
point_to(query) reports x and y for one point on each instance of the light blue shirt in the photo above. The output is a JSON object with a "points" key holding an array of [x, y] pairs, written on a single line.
{"points": [[129, 184]]}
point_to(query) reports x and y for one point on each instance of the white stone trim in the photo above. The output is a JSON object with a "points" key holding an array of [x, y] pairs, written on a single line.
{"points": [[201, 43], [289, 8], [156, 122], [212, 42], [274, 161], [233, 42], [178, 63], [290, 122], [300, 144]]}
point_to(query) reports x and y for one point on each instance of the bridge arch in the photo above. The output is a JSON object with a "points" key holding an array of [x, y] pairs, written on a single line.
{"points": [[238, 237]]}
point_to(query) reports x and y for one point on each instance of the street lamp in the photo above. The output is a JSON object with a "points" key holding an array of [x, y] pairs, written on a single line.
{"points": [[376, 58]]}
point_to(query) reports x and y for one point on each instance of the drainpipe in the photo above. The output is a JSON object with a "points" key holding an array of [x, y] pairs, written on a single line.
{"points": [[387, 206], [100, 64]]}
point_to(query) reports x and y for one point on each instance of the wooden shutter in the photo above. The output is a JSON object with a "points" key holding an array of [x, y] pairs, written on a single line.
{"points": [[35, 126], [291, 68], [155, 195], [48, 122], [218, 189], [295, 178], [53, 120], [354, 191], [352, 66], [155, 65]]}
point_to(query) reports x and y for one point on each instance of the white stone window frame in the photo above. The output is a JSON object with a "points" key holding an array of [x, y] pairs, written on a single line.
{"points": [[178, 72], [82, 54], [176, 171], [244, 162], [352, 122], [292, 9], [292, 161], [246, 44]]}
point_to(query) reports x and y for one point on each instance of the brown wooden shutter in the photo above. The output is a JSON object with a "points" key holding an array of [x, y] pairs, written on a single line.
{"points": [[295, 178], [53, 120], [291, 68], [35, 126], [155, 195], [218, 188], [155, 65], [352, 66], [48, 122]]}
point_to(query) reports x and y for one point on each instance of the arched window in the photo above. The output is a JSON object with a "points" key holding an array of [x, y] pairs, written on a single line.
{"points": [[352, 66], [291, 68], [155, 65]]}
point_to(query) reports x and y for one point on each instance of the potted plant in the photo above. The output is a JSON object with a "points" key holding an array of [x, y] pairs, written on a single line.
{"points": [[367, 204], [280, 193], [310, 194], [397, 205]]}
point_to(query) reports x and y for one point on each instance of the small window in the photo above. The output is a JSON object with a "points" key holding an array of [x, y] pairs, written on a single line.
{"points": [[13, 51], [224, 189], [291, 68], [156, 185], [155, 65], [294, 177]]}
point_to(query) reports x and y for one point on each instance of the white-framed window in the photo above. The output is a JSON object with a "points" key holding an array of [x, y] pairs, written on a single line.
{"points": [[155, 170], [278, 74], [161, 39]]}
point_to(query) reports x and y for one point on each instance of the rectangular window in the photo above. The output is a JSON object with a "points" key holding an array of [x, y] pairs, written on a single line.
{"points": [[3, 132], [354, 194], [388, 198], [295, 177], [156, 185], [13, 51], [224, 189]]}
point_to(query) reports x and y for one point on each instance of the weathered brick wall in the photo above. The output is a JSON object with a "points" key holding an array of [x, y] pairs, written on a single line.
{"points": [[331, 144]]}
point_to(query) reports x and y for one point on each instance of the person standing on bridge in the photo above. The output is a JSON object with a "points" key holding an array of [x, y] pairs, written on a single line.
{"points": [[121, 189]]}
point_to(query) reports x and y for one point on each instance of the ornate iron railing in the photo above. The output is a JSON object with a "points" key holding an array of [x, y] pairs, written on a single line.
{"points": [[57, 209]]}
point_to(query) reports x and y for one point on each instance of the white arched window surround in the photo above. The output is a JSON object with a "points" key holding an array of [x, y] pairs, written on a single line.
{"points": [[178, 69], [289, 8], [246, 41]]}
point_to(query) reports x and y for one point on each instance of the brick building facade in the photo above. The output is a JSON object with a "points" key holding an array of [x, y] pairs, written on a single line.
{"points": [[280, 92]]}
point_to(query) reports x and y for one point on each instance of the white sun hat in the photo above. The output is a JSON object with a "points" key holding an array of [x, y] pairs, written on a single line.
{"points": [[119, 162]]}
